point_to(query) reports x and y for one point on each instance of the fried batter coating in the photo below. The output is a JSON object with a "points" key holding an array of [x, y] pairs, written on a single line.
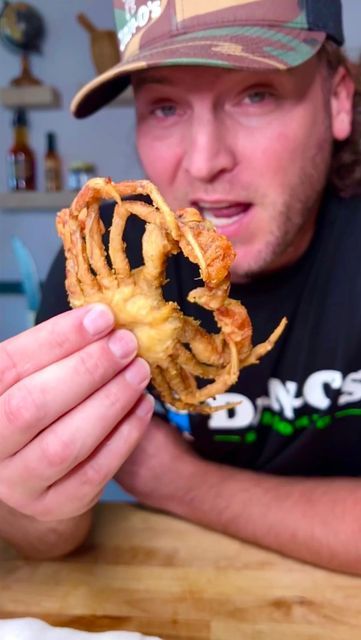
{"points": [[178, 350]]}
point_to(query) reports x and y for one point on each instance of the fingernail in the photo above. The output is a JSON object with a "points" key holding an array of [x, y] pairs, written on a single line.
{"points": [[98, 320], [123, 344], [138, 373], [145, 407]]}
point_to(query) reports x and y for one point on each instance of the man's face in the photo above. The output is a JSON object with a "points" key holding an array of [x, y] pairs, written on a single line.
{"points": [[250, 150]]}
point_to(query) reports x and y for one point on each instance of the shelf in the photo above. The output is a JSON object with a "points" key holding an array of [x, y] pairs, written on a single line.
{"points": [[35, 200], [31, 96]]}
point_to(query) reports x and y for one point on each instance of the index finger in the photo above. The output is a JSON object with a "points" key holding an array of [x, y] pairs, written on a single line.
{"points": [[51, 341]]}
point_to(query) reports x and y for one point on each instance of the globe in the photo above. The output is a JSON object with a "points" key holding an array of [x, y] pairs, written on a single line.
{"points": [[21, 27]]}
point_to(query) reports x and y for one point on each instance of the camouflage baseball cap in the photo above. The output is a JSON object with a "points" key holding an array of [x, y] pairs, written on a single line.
{"points": [[234, 34]]}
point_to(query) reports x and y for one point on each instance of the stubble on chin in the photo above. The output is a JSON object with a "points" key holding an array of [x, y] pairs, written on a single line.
{"points": [[293, 218]]}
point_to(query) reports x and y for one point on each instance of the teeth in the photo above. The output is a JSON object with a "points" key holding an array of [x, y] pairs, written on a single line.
{"points": [[220, 205], [220, 222]]}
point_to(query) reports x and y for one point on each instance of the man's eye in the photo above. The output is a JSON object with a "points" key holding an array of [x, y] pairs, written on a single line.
{"points": [[257, 97], [165, 111]]}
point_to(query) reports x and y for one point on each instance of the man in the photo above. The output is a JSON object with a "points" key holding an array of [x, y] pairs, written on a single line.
{"points": [[244, 110]]}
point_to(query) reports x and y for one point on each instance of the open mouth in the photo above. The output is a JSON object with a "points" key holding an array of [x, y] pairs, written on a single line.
{"points": [[223, 214]]}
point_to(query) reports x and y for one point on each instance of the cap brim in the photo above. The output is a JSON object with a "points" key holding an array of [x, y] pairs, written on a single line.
{"points": [[249, 49]]}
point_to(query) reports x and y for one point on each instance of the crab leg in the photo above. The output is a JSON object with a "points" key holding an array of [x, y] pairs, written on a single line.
{"points": [[95, 249], [207, 348], [147, 188], [210, 298], [180, 380], [117, 245], [224, 380], [166, 393], [201, 243], [79, 276], [156, 249], [144, 211], [261, 349], [64, 226], [161, 385], [188, 361], [93, 192]]}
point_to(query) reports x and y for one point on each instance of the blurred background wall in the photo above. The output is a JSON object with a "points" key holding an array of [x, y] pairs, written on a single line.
{"points": [[106, 139]]}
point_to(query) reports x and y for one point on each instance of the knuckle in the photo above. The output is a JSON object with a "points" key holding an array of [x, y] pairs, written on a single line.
{"points": [[95, 475], [62, 338], [91, 363], [116, 394], [55, 452], [22, 404]]}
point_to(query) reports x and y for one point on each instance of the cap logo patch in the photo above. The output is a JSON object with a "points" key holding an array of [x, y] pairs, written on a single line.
{"points": [[136, 18]]}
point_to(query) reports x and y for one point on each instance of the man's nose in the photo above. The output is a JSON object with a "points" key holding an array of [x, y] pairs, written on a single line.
{"points": [[210, 148]]}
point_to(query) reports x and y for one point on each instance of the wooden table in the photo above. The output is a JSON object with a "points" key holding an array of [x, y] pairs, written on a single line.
{"points": [[156, 574]]}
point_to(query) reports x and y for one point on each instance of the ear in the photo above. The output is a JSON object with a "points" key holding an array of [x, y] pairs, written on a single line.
{"points": [[342, 95]]}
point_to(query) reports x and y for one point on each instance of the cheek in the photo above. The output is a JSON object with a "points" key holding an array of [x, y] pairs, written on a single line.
{"points": [[271, 158], [160, 159], [285, 152], [151, 155]]}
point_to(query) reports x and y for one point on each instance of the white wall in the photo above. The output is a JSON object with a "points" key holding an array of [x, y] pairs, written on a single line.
{"points": [[106, 138], [352, 20]]}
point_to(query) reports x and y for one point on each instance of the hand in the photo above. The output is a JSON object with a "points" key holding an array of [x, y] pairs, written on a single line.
{"points": [[72, 409], [159, 468]]}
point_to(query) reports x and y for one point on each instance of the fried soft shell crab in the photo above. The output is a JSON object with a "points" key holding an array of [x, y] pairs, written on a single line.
{"points": [[178, 350]]}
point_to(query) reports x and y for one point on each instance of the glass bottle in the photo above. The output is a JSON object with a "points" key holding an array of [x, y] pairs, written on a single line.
{"points": [[20, 157], [52, 164]]}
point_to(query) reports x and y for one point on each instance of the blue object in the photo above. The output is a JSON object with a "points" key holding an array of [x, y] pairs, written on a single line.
{"points": [[114, 493], [29, 276], [180, 420]]}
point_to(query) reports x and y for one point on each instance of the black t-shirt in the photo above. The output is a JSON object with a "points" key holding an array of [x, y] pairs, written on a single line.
{"points": [[300, 411]]}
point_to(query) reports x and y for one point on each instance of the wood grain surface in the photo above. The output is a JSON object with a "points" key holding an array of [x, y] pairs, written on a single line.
{"points": [[155, 574]]}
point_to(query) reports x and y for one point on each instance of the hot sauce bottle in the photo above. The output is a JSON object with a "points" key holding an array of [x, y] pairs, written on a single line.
{"points": [[52, 164], [20, 157]]}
